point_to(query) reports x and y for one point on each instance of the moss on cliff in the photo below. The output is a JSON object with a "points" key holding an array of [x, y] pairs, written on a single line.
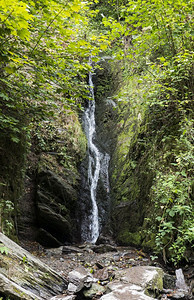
{"points": [[12, 173], [151, 179], [59, 145]]}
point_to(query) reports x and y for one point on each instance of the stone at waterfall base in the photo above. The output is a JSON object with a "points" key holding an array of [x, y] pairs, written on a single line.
{"points": [[95, 290], [61, 297], [78, 279], [138, 283], [124, 292], [176, 294]]}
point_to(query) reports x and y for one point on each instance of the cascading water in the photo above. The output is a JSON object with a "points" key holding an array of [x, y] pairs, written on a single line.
{"points": [[97, 166]]}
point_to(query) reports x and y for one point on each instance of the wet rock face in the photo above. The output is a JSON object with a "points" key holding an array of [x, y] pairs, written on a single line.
{"points": [[47, 210], [127, 218], [84, 204], [56, 202], [26, 218], [46, 206], [106, 82]]}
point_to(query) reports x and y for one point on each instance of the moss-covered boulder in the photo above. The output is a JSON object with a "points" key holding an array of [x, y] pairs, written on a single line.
{"points": [[22, 276]]}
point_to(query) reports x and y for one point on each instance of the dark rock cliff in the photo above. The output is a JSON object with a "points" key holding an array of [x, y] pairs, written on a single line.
{"points": [[47, 208]]}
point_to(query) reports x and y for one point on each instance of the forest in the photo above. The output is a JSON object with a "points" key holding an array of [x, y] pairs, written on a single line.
{"points": [[142, 66]]}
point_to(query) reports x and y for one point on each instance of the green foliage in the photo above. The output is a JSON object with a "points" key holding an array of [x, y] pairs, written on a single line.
{"points": [[24, 259], [155, 144], [3, 249], [171, 194], [6, 210], [156, 28], [61, 137], [44, 51], [44, 58], [174, 215]]}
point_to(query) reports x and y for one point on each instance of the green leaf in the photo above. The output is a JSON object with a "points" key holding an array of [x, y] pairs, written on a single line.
{"points": [[15, 139]]}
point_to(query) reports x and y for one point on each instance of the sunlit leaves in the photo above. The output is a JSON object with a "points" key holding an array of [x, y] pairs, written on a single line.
{"points": [[45, 46], [14, 16], [160, 26]]}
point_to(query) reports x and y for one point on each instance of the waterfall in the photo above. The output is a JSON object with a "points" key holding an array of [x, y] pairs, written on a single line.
{"points": [[97, 166]]}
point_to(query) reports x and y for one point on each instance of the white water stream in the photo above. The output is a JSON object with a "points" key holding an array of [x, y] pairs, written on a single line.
{"points": [[98, 163]]}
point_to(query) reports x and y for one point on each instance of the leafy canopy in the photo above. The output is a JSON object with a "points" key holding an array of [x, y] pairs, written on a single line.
{"points": [[44, 51]]}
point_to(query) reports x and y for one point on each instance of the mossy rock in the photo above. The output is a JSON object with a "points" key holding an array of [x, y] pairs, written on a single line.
{"points": [[129, 238], [149, 241], [155, 286], [24, 276]]}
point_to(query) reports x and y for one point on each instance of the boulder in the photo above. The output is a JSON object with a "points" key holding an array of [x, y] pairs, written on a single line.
{"points": [[180, 281], [95, 290], [103, 274], [71, 249], [137, 283], [23, 276], [123, 292], [62, 297], [169, 281], [147, 277], [78, 279], [105, 239], [10, 288]]}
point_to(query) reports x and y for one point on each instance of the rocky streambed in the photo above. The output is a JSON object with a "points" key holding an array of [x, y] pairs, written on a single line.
{"points": [[104, 272], [109, 272]]}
